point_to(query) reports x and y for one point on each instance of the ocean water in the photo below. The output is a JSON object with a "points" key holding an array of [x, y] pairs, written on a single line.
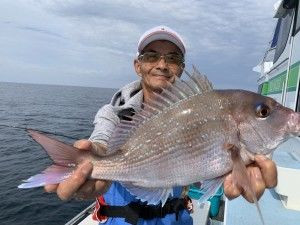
{"points": [[58, 109]]}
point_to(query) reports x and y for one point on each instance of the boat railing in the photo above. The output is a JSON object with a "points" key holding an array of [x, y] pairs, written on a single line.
{"points": [[82, 215]]}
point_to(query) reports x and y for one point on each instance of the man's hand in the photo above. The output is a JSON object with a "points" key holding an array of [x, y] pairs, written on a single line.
{"points": [[263, 174], [78, 185]]}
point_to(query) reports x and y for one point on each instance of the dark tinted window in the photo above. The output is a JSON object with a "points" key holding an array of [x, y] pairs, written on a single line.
{"points": [[283, 33], [276, 33], [298, 102], [297, 27]]}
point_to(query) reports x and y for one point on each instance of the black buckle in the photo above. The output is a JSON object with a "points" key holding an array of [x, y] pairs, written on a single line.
{"points": [[135, 210]]}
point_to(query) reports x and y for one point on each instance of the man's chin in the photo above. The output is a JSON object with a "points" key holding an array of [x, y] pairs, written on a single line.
{"points": [[158, 84], [157, 87], [161, 84]]}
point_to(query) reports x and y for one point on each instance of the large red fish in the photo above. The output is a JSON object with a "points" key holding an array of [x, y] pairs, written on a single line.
{"points": [[190, 133]]}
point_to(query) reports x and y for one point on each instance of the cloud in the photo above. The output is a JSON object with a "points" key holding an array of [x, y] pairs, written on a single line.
{"points": [[216, 22], [35, 29], [225, 39]]}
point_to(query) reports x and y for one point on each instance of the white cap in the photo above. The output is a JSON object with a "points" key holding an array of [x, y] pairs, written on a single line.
{"points": [[161, 33]]}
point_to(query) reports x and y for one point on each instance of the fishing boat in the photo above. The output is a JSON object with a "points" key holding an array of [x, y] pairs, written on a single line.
{"points": [[279, 79]]}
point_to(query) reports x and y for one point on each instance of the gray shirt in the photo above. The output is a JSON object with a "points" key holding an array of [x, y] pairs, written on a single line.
{"points": [[127, 99]]}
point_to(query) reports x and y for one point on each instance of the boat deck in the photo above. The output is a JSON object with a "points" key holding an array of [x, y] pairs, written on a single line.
{"points": [[239, 211]]}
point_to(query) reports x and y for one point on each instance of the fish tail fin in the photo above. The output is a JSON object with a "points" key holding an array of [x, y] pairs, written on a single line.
{"points": [[52, 175], [62, 154], [65, 158], [241, 177]]}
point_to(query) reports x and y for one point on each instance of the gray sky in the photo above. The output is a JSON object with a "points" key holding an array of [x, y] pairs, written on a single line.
{"points": [[93, 43]]}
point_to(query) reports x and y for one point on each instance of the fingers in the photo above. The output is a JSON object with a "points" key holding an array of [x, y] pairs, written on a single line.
{"points": [[51, 188], [99, 149], [262, 174], [78, 185], [91, 189], [67, 188], [86, 191], [268, 170], [257, 183], [231, 190], [83, 144], [95, 147], [101, 186]]}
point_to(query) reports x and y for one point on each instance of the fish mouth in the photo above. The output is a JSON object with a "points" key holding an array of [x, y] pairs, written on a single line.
{"points": [[294, 124]]}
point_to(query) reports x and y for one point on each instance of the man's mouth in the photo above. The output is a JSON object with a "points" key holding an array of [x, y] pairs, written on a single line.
{"points": [[162, 75]]}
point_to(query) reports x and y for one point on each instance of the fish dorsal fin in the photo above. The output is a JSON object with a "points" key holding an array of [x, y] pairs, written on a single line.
{"points": [[203, 84], [180, 90]]}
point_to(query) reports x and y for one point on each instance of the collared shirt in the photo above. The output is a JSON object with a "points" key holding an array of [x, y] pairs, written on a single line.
{"points": [[124, 101]]}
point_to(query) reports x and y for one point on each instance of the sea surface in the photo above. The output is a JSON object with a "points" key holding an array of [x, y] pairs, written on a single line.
{"points": [[62, 110]]}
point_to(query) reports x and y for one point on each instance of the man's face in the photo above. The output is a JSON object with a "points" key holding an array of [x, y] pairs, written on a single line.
{"points": [[156, 75]]}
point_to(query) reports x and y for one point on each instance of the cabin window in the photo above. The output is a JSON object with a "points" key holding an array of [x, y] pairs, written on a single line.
{"points": [[298, 102], [276, 33], [283, 34], [297, 27]]}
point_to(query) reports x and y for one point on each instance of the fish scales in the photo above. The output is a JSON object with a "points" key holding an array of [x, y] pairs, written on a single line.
{"points": [[161, 158], [200, 137]]}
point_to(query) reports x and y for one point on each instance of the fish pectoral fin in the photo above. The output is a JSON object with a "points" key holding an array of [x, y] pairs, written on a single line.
{"points": [[210, 187], [240, 176], [52, 175], [150, 195]]}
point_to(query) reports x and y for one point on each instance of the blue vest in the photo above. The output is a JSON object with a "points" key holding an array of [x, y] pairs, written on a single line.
{"points": [[118, 195]]}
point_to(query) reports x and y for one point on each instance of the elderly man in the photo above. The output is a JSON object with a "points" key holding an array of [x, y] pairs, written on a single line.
{"points": [[160, 60]]}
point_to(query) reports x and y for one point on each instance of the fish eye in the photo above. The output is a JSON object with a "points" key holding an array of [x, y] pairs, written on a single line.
{"points": [[262, 110]]}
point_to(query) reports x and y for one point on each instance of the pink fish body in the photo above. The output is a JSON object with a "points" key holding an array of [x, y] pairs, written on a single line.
{"points": [[190, 133]]}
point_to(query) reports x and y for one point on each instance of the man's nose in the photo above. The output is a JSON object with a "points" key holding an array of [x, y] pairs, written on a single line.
{"points": [[162, 63]]}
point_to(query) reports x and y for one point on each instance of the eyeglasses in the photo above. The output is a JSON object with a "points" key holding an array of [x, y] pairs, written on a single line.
{"points": [[153, 57]]}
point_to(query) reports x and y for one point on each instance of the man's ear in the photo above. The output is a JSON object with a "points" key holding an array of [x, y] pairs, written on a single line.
{"points": [[137, 67], [181, 69], [183, 66]]}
